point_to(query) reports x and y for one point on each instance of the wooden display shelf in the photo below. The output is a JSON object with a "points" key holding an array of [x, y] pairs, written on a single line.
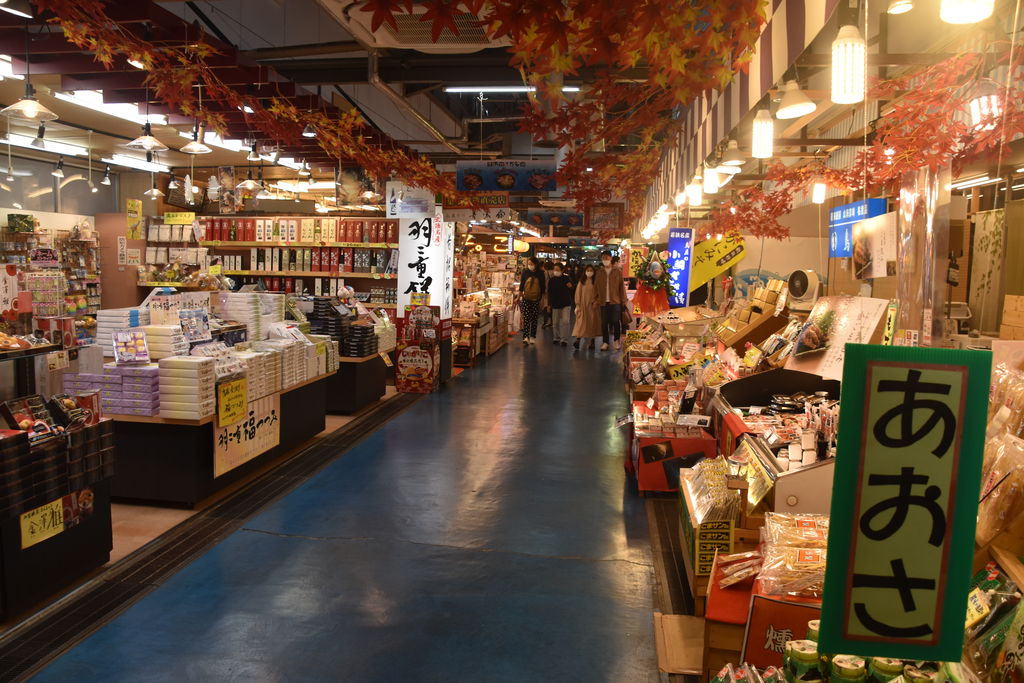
{"points": [[363, 359], [222, 244], [311, 273], [15, 354]]}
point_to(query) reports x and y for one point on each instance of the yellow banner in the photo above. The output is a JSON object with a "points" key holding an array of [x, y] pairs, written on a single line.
{"points": [[42, 523], [232, 398], [711, 258], [258, 433], [133, 207], [179, 217]]}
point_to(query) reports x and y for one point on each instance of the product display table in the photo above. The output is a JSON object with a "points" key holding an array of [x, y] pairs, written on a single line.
{"points": [[724, 623], [357, 383], [181, 462], [472, 339]]}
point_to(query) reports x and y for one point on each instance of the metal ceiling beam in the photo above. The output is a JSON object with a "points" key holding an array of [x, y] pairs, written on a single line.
{"points": [[908, 59], [305, 50]]}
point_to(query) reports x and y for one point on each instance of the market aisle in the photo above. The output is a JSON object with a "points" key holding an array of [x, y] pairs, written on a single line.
{"points": [[486, 534]]}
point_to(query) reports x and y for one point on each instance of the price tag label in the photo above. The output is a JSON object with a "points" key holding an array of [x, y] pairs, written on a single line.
{"points": [[216, 269], [58, 360], [42, 523], [232, 398], [693, 421], [386, 358], [650, 403]]}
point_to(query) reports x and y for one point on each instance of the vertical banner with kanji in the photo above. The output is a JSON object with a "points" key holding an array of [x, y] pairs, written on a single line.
{"points": [[422, 266], [904, 501], [680, 247]]}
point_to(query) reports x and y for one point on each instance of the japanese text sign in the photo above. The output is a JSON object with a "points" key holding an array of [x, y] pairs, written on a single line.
{"points": [[770, 624], [232, 399], [42, 523], [905, 500], [423, 265], [711, 258], [841, 220], [521, 175], [680, 246], [255, 434]]}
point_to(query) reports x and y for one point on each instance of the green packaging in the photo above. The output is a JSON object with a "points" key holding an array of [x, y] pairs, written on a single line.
{"points": [[800, 661], [849, 668], [884, 669]]}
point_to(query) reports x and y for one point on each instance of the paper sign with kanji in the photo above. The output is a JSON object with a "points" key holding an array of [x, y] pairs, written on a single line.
{"points": [[904, 502]]}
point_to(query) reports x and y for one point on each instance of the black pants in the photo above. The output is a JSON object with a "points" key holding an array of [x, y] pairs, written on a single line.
{"points": [[530, 311], [611, 322]]}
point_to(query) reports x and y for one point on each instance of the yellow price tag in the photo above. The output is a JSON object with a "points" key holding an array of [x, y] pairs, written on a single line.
{"points": [[678, 371], [42, 523], [180, 217], [216, 269], [387, 359], [232, 399]]}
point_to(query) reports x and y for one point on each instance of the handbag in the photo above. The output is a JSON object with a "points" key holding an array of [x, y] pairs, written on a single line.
{"points": [[627, 317]]}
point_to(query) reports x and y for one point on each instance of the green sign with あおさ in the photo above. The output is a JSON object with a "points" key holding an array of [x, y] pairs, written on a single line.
{"points": [[904, 501]]}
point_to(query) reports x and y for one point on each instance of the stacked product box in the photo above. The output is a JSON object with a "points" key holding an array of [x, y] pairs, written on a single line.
{"points": [[262, 369], [110, 320], [255, 310], [187, 386], [293, 360], [139, 390], [165, 341]]}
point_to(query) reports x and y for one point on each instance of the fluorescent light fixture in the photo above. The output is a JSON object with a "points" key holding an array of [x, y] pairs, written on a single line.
{"points": [[93, 99], [1018, 187], [216, 141], [965, 11], [680, 198], [1019, 170], [302, 186], [763, 138], [849, 66], [136, 163], [818, 193], [795, 103], [19, 8], [900, 6], [286, 162], [590, 169], [502, 88], [42, 143], [974, 182]]}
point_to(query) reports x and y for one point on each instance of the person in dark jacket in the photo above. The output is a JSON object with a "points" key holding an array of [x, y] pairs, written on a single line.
{"points": [[560, 299], [531, 291]]}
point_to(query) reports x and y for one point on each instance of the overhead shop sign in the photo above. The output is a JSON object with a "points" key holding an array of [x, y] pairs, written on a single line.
{"points": [[544, 218], [841, 220], [423, 266], [905, 501], [516, 175], [404, 200], [481, 200]]}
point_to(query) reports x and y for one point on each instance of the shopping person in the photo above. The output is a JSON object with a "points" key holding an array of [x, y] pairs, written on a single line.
{"points": [[588, 311], [531, 290], [560, 300], [611, 294]]}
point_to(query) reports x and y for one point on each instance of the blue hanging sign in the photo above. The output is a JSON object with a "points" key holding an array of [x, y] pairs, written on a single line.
{"points": [[841, 220], [680, 250]]}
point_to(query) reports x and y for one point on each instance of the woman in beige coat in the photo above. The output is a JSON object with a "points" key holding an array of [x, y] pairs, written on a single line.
{"points": [[588, 311]]}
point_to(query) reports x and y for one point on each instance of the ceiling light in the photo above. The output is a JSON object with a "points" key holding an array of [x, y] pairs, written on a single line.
{"points": [[173, 184], [502, 88], [763, 138], [39, 142], [695, 191], [733, 156], [146, 142], [849, 66], [153, 192], [19, 8], [196, 146], [309, 131], [680, 198], [10, 174], [58, 170], [216, 141], [253, 155], [287, 162], [900, 6], [248, 184], [728, 170], [28, 108], [93, 100], [590, 169], [92, 187], [985, 107], [965, 11], [136, 63], [246, 109], [712, 181], [818, 192], [304, 170], [136, 163], [106, 177], [974, 182], [304, 186], [795, 102]]}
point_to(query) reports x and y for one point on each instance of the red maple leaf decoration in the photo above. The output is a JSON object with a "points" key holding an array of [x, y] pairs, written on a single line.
{"points": [[442, 14], [384, 12]]}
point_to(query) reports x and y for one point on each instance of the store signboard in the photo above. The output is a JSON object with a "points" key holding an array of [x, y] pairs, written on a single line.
{"points": [[771, 623], [133, 211], [232, 399], [518, 175], [423, 242], [874, 247], [680, 251], [904, 501], [711, 258], [542, 218], [841, 220], [180, 217], [469, 200], [405, 201], [258, 432]]}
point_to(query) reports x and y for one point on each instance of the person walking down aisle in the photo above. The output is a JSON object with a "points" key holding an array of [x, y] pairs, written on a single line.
{"points": [[531, 289], [611, 294], [588, 312], [545, 304], [560, 299]]}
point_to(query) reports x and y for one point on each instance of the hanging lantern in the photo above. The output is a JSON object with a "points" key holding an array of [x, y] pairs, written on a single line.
{"points": [[985, 107], [965, 11], [849, 66], [763, 137], [818, 192]]}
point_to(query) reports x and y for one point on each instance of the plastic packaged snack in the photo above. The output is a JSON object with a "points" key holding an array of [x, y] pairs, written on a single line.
{"points": [[1002, 494], [800, 530], [793, 571]]}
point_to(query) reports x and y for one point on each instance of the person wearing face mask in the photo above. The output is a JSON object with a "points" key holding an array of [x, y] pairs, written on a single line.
{"points": [[588, 311], [560, 299], [531, 290], [611, 294]]}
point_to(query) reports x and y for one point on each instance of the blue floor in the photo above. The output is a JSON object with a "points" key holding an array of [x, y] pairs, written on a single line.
{"points": [[485, 534]]}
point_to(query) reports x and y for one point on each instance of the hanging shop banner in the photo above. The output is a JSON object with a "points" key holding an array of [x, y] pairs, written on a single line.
{"points": [[448, 270], [637, 256], [772, 623], [544, 218], [133, 209], [405, 201], [467, 215], [421, 267], [257, 433], [517, 175], [483, 200], [680, 248], [874, 247], [905, 501], [841, 220], [711, 258]]}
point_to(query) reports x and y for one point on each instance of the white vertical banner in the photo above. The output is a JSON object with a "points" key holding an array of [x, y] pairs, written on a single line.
{"points": [[422, 247], [447, 293]]}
